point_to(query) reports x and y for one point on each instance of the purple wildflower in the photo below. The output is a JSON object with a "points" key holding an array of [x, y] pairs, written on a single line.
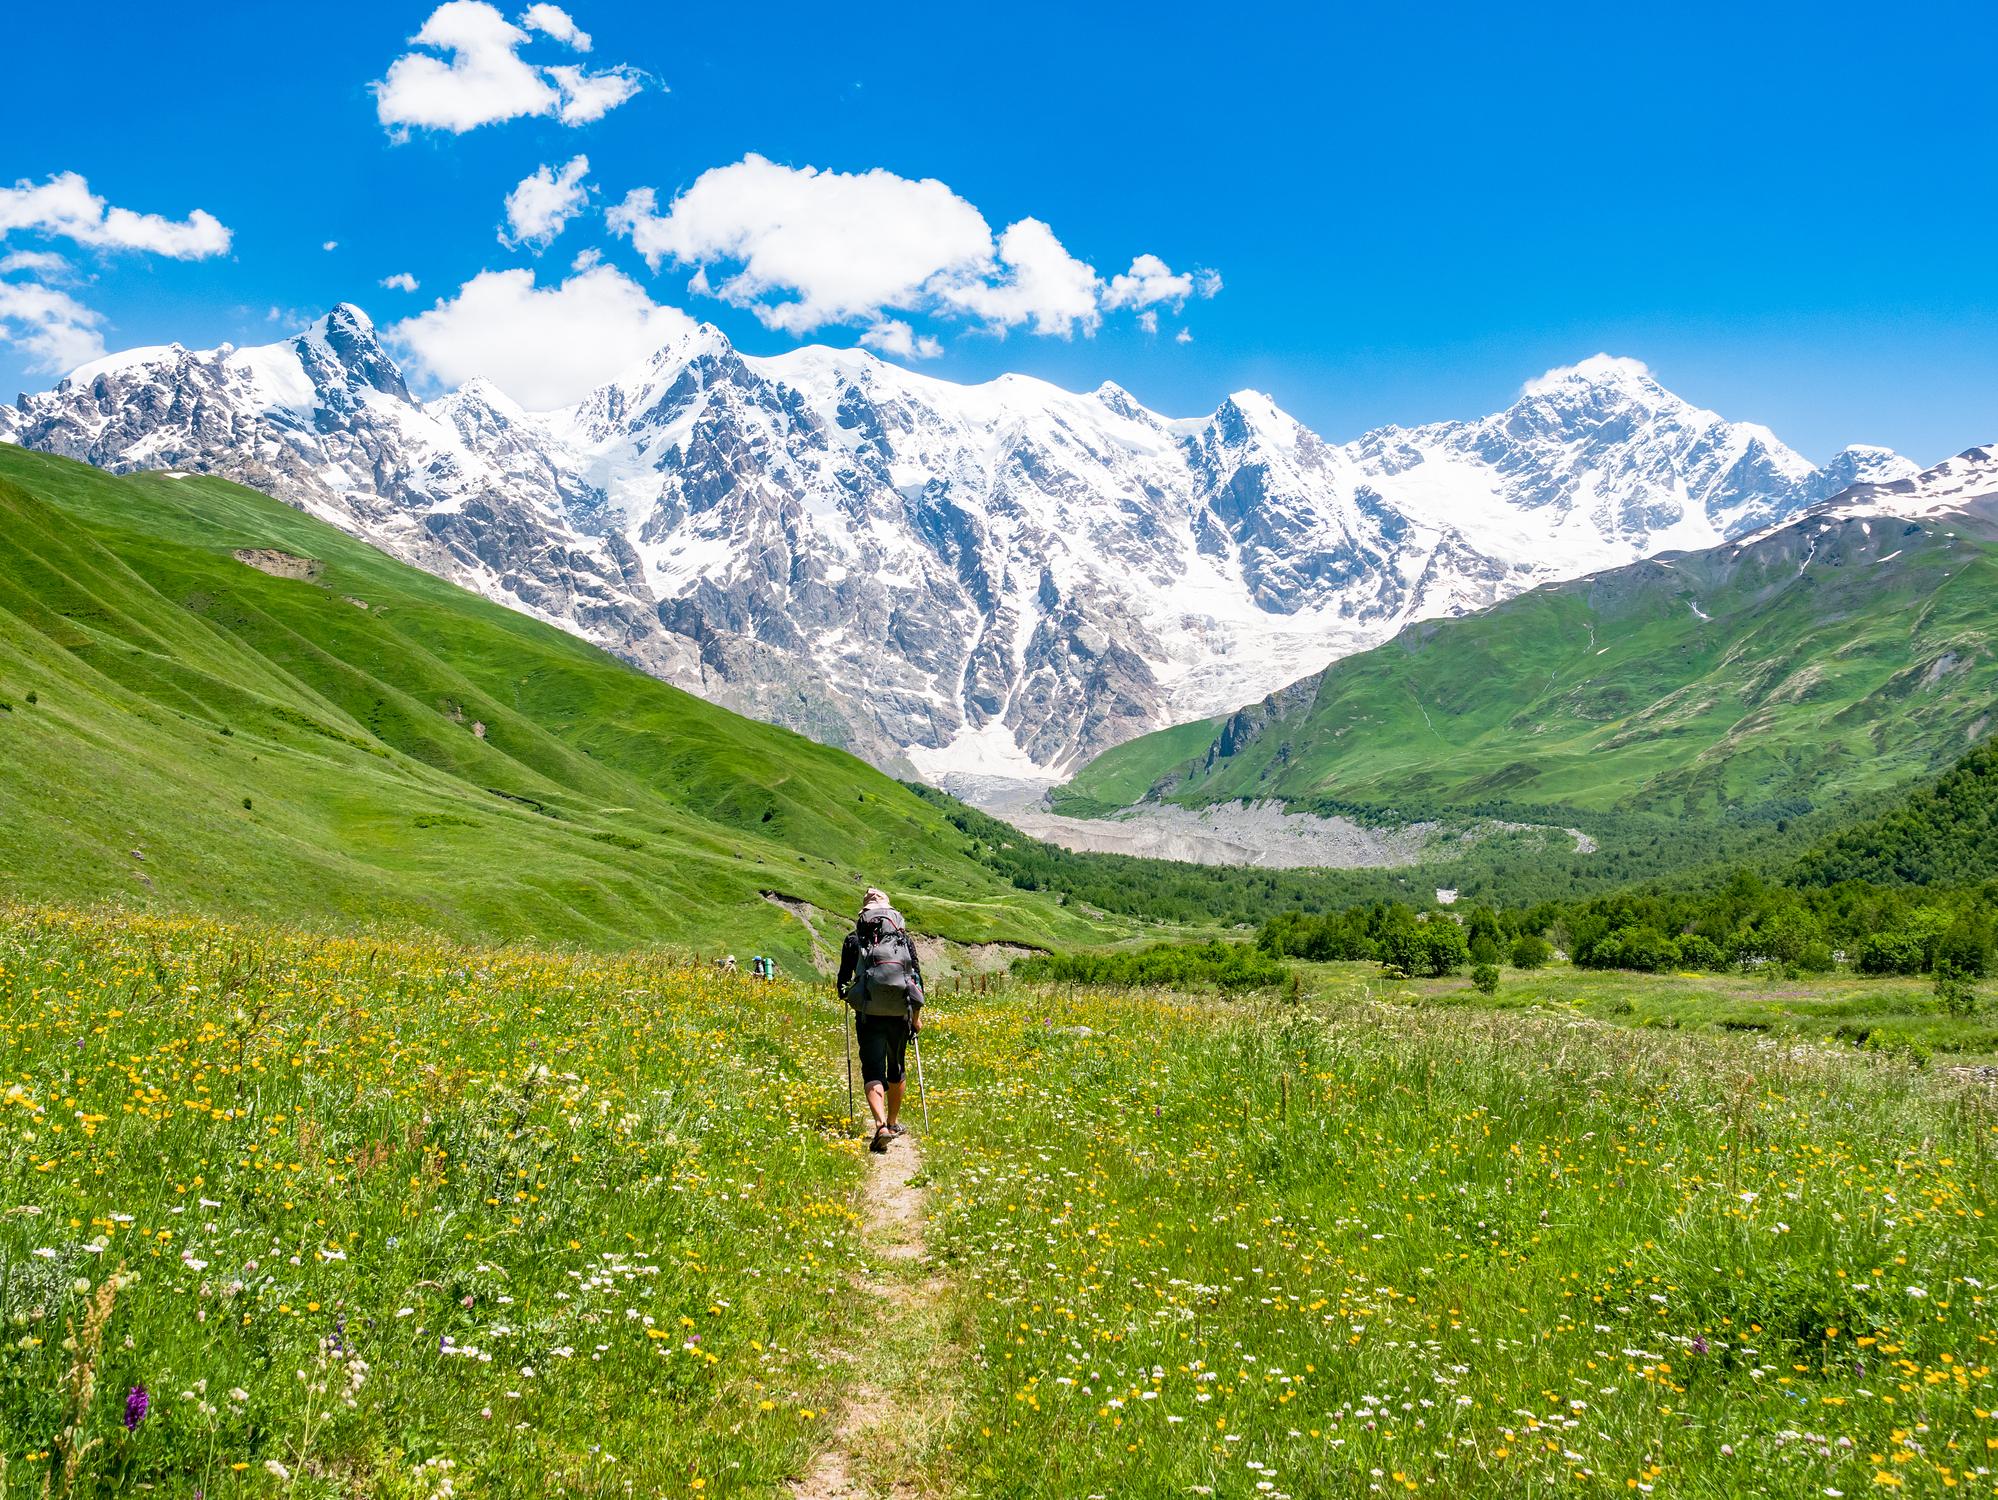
{"points": [[1699, 1344], [137, 1403]]}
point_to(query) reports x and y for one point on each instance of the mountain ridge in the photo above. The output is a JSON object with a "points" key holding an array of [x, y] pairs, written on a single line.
{"points": [[1003, 578], [1843, 650]]}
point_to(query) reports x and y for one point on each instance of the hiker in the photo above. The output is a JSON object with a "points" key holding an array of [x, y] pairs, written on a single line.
{"points": [[880, 977], [728, 964]]}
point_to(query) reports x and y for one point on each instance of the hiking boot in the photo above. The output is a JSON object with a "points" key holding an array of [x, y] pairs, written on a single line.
{"points": [[882, 1137], [898, 1130]]}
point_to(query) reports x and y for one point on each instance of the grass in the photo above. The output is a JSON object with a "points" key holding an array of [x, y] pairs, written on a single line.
{"points": [[1805, 671], [1353, 1248], [1900, 1015], [184, 732], [362, 1216], [367, 1215]]}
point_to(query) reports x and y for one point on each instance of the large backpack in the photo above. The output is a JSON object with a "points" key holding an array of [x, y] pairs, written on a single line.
{"points": [[885, 975]]}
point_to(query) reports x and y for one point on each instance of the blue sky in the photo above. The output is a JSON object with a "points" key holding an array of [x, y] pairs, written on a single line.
{"points": [[1788, 212]]}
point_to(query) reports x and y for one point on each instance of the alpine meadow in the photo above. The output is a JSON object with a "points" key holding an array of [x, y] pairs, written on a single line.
{"points": [[728, 774]]}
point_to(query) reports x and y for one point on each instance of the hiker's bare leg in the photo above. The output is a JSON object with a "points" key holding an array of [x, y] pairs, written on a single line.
{"points": [[894, 1102], [874, 1106]]}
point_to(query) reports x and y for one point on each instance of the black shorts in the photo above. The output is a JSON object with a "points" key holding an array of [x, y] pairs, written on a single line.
{"points": [[883, 1042]]}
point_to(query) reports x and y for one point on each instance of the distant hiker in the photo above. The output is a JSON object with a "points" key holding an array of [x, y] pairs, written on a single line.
{"points": [[756, 966], [880, 977], [769, 967], [728, 964]]}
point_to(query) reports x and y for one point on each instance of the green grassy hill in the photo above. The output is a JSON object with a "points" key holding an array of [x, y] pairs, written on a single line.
{"points": [[1942, 833], [1810, 670], [364, 742]]}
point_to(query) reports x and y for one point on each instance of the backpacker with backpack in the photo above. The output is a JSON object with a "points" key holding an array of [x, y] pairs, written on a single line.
{"points": [[886, 981]]}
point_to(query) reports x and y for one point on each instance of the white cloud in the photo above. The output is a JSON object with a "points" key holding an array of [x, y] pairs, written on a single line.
{"points": [[1184, 336], [1149, 320], [893, 336], [586, 258], [1151, 283], [482, 79], [58, 332], [556, 22], [544, 346], [44, 263], [804, 248], [1596, 368], [329, 245], [845, 244], [402, 281], [591, 96], [1041, 284], [64, 206], [543, 202]]}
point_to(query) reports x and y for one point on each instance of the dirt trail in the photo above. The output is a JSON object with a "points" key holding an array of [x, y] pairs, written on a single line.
{"points": [[898, 1400]]}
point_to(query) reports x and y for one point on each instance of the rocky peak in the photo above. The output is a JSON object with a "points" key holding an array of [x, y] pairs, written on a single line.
{"points": [[342, 349]]}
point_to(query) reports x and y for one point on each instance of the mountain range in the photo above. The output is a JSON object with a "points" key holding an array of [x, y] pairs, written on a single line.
{"points": [[1821, 659], [960, 581]]}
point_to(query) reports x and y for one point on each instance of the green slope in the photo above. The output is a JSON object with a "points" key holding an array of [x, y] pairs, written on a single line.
{"points": [[373, 744], [1943, 833], [1819, 665]]}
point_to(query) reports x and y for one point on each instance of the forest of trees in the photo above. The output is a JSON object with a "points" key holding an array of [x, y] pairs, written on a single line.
{"points": [[1226, 966], [1942, 834], [1744, 921]]}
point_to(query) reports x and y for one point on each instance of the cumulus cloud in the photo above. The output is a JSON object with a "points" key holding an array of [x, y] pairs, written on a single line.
{"points": [[556, 22], [543, 202], [57, 332], [1149, 320], [544, 346], [1151, 283], [65, 207], [1031, 279], [329, 245], [402, 281], [804, 248], [481, 78], [893, 336], [1184, 336]]}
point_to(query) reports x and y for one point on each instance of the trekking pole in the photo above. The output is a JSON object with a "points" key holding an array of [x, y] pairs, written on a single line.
{"points": [[846, 1046], [922, 1090]]}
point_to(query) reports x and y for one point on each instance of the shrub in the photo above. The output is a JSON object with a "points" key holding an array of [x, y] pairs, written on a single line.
{"points": [[1892, 953], [1644, 949], [1954, 990], [1442, 948], [1227, 966], [1965, 947], [1698, 952], [1484, 949], [1486, 978], [1530, 951]]}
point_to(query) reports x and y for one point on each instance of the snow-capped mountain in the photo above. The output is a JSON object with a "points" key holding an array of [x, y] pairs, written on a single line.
{"points": [[995, 579], [1967, 483]]}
